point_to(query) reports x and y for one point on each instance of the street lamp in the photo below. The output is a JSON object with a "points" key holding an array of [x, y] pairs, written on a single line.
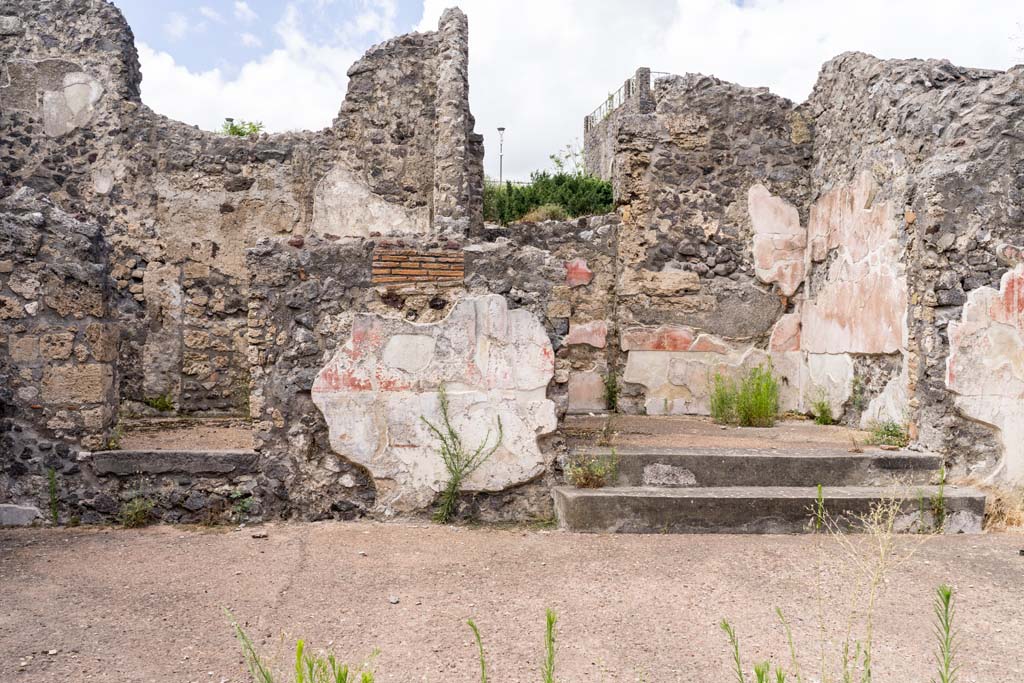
{"points": [[501, 151]]}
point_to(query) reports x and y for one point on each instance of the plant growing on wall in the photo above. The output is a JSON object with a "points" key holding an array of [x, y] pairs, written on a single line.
{"points": [[459, 461], [241, 128]]}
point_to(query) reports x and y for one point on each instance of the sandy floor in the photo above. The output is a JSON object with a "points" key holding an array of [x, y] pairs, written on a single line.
{"points": [[187, 434], [147, 605], [701, 432]]}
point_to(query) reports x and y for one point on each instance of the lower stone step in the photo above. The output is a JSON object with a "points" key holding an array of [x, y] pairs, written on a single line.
{"points": [[675, 467], [756, 510], [131, 462]]}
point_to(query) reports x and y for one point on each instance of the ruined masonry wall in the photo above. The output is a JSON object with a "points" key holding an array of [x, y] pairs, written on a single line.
{"points": [[179, 206]]}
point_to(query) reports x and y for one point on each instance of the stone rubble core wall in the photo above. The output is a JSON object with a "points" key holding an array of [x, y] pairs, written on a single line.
{"points": [[381, 387], [179, 206], [837, 238]]}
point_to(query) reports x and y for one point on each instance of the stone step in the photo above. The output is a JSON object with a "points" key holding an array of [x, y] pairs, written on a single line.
{"points": [[132, 462], [699, 467], [753, 510]]}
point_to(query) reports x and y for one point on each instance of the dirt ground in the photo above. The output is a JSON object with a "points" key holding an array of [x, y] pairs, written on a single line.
{"points": [[148, 605], [701, 432], [187, 434]]}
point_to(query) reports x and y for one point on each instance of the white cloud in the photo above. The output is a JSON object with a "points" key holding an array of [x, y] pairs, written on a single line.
{"points": [[211, 14], [539, 66], [307, 82], [177, 26], [250, 40], [243, 12]]}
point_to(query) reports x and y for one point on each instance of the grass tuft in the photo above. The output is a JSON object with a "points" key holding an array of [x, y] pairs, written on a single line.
{"points": [[592, 471], [889, 433], [135, 512]]}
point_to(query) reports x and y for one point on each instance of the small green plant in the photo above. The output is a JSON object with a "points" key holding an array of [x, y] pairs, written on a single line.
{"points": [[946, 634], [241, 503], [938, 502], [592, 471], [858, 398], [164, 403], [821, 408], [458, 460], [309, 667], [114, 441], [544, 212], [480, 649], [51, 476], [757, 401], [723, 400], [889, 433], [241, 128], [135, 512], [549, 647], [611, 391]]}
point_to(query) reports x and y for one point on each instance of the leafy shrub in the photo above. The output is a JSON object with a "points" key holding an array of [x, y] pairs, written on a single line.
{"points": [[757, 401], [576, 193], [889, 433], [591, 471], [753, 403], [135, 513], [240, 128], [459, 461], [544, 212]]}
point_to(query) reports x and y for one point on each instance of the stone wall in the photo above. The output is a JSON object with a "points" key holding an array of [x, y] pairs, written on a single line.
{"points": [[856, 224], [179, 206]]}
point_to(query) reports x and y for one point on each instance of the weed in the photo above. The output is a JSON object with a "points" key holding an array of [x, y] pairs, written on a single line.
{"points": [[242, 503], [723, 400], [946, 635], [51, 476], [114, 440], [889, 433], [241, 128], [164, 403], [480, 649], [611, 391], [757, 401], [753, 403], [821, 407], [458, 461], [734, 645], [858, 398], [544, 212], [549, 646], [607, 432], [135, 512], [938, 502], [592, 471]]}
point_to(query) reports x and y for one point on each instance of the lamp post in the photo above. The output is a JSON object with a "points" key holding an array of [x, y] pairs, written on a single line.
{"points": [[501, 152]]}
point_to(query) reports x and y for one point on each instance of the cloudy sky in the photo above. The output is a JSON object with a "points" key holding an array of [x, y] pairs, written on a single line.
{"points": [[536, 66]]}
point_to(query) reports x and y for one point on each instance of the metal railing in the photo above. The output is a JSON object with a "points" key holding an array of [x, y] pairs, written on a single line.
{"points": [[619, 97]]}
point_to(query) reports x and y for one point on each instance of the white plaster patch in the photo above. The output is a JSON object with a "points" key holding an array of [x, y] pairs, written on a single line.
{"points": [[985, 368], [71, 106], [345, 207], [862, 306], [494, 364], [779, 240]]}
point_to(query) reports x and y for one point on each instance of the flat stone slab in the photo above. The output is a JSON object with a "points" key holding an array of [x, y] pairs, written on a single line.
{"points": [[18, 515], [652, 466], [124, 463], [752, 510]]}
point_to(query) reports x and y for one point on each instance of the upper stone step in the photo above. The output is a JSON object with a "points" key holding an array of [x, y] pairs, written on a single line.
{"points": [[757, 510], [768, 466]]}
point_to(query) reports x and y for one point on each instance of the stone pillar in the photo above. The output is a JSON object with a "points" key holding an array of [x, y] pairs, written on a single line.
{"points": [[642, 90], [453, 126]]}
